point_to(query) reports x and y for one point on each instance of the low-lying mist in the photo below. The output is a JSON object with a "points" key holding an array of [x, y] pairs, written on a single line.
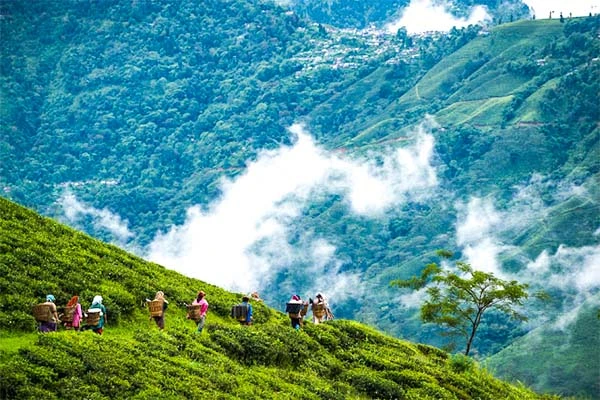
{"points": [[241, 241]]}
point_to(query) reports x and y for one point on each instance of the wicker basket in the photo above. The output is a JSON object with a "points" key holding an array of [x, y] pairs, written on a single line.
{"points": [[42, 313], [93, 317], [156, 308], [68, 314], [240, 312], [304, 310], [294, 308], [194, 311], [318, 310]]}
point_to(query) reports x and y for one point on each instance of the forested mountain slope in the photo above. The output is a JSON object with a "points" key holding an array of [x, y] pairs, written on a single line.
{"points": [[483, 141], [133, 360]]}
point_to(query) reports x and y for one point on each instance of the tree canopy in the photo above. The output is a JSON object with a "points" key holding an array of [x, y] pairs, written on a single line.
{"points": [[458, 298]]}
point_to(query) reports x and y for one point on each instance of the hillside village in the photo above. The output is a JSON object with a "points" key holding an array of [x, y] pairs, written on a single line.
{"points": [[350, 48]]}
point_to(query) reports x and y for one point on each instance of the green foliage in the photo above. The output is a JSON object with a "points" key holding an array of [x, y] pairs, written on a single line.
{"points": [[373, 384], [87, 269], [458, 300], [461, 363]]}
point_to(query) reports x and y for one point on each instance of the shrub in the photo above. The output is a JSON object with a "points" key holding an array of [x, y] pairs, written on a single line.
{"points": [[373, 384], [325, 335], [461, 363], [407, 378], [432, 352], [17, 320], [250, 346]]}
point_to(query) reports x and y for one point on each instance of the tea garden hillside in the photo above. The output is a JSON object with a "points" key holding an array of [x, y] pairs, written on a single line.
{"points": [[134, 359]]}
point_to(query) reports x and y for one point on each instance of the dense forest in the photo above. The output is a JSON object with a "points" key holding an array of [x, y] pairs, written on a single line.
{"points": [[146, 109]]}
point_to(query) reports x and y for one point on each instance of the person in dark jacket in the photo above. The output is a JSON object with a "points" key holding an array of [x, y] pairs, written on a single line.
{"points": [[294, 308], [246, 302]]}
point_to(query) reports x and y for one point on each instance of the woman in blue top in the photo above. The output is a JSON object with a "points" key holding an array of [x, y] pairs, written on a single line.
{"points": [[97, 305], [246, 302]]}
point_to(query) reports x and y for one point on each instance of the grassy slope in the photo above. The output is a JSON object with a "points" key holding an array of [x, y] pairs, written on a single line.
{"points": [[505, 43], [480, 98], [339, 359]]}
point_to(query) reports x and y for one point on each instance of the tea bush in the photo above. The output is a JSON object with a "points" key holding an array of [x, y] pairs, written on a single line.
{"points": [[373, 384]]}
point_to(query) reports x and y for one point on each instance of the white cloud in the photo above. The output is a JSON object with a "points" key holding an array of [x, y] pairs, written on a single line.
{"points": [[427, 15], [485, 233], [283, 3], [414, 299], [476, 231], [542, 8], [325, 275], [569, 269], [483, 256], [566, 319], [75, 210], [240, 240], [541, 264], [480, 219]]}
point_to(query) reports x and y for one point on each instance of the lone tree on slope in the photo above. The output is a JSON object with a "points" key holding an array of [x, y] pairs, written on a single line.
{"points": [[458, 299]]}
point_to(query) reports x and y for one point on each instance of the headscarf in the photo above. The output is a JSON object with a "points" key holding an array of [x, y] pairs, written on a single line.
{"points": [[159, 295], [97, 300], [50, 297], [296, 297], [74, 300]]}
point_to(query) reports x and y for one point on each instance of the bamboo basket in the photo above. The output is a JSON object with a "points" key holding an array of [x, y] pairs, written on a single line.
{"points": [[294, 308], [240, 312], [92, 318], [42, 313], [156, 308], [194, 311], [304, 310], [318, 310], [68, 314]]}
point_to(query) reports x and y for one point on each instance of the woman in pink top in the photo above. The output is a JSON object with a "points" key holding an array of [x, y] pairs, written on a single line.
{"points": [[74, 307], [201, 301]]}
